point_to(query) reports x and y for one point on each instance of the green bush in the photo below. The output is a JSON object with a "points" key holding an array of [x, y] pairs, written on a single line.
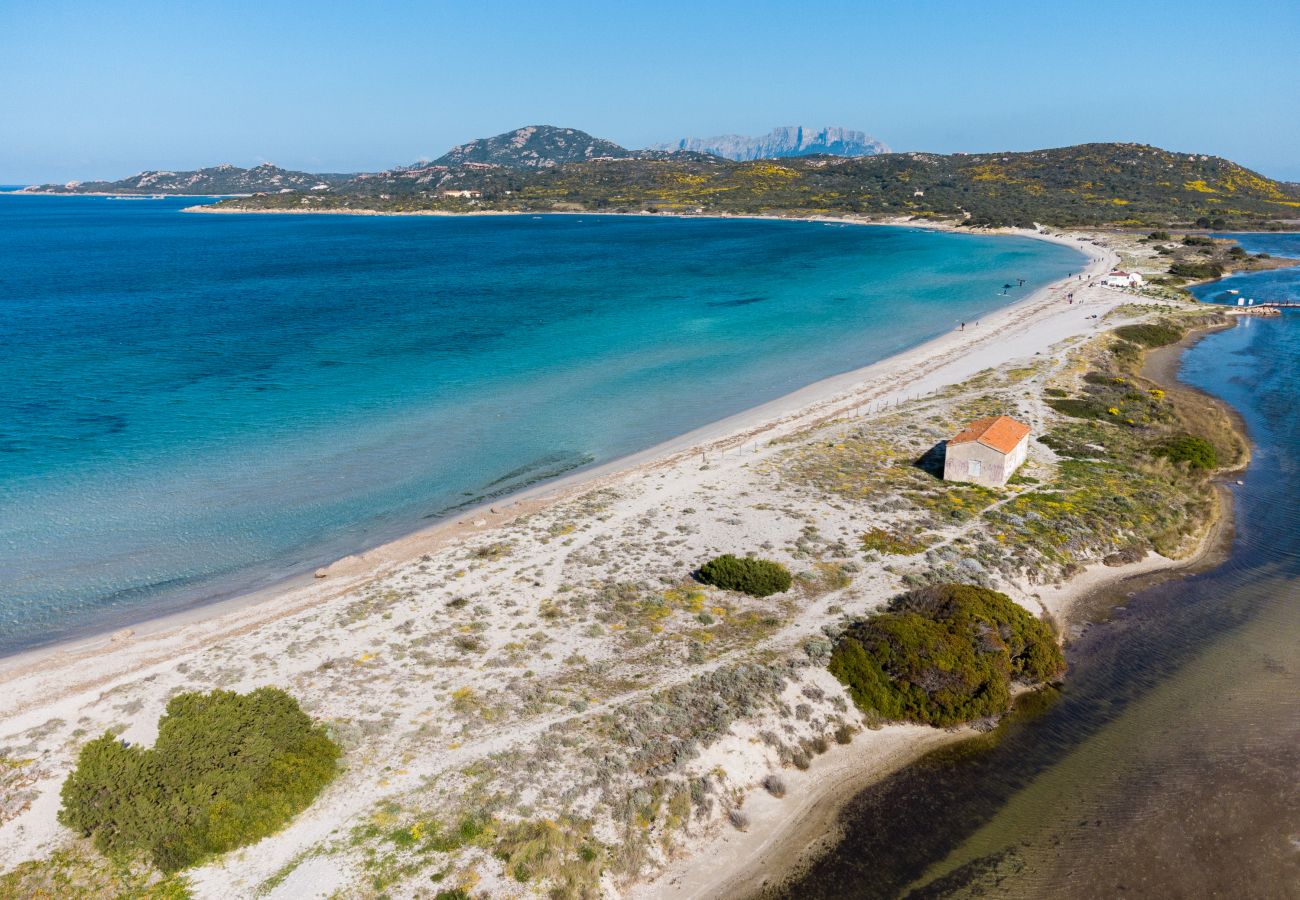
{"points": [[1196, 270], [1078, 409], [894, 542], [1151, 334], [944, 655], [756, 577], [226, 770], [1198, 453]]}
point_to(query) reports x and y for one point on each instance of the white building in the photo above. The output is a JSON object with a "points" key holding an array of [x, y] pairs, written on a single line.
{"points": [[1123, 279]]}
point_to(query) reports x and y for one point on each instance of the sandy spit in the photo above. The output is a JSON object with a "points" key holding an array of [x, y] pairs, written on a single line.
{"points": [[285, 635]]}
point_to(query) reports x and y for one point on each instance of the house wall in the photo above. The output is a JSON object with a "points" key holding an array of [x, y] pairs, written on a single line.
{"points": [[994, 467]]}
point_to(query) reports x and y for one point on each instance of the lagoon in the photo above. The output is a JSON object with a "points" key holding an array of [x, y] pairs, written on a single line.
{"points": [[1165, 766]]}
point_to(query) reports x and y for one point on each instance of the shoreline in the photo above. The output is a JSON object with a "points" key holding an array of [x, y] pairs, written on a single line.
{"points": [[822, 399], [788, 837], [309, 637]]}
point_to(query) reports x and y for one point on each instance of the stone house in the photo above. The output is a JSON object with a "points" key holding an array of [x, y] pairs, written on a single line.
{"points": [[987, 451]]}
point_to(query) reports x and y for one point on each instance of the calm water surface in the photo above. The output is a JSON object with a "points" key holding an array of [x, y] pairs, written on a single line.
{"points": [[1168, 766], [195, 405]]}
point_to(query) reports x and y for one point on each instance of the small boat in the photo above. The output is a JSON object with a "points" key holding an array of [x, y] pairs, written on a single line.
{"points": [[1233, 291]]}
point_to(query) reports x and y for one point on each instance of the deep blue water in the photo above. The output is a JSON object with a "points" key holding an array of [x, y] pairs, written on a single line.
{"points": [[194, 405]]}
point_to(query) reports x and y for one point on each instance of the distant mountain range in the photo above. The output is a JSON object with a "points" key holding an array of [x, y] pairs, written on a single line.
{"points": [[222, 179], [794, 140]]}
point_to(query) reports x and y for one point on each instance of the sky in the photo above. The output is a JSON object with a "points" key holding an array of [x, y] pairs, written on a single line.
{"points": [[94, 89]]}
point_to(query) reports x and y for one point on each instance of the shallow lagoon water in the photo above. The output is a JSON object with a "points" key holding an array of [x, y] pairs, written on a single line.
{"points": [[193, 406], [1166, 767]]}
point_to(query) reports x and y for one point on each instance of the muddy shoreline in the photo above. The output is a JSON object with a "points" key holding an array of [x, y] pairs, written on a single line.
{"points": [[819, 831]]}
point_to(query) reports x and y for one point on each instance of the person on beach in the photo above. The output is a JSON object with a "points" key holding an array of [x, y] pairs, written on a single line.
{"points": [[963, 327]]}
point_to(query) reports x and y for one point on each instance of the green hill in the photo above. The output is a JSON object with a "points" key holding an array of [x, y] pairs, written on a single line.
{"points": [[1090, 184], [532, 147], [223, 179]]}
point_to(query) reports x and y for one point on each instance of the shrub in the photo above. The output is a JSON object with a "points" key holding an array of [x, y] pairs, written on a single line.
{"points": [[1196, 269], [1198, 453], [893, 542], [1078, 408], [756, 577], [226, 770], [1151, 334], [944, 655]]}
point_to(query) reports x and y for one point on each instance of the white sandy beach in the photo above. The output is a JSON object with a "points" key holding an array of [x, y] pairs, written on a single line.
{"points": [[371, 645]]}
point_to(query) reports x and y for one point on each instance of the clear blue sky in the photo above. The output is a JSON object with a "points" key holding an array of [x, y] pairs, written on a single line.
{"points": [[102, 89]]}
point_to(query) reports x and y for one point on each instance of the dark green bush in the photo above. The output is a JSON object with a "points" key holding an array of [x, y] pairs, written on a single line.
{"points": [[1196, 269], [1198, 453], [1151, 334], [227, 770], [944, 655], [757, 577], [1079, 409]]}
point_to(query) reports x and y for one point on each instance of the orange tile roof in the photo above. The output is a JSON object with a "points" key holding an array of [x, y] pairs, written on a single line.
{"points": [[1002, 433]]}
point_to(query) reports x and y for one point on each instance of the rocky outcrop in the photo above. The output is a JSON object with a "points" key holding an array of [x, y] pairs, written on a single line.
{"points": [[794, 140]]}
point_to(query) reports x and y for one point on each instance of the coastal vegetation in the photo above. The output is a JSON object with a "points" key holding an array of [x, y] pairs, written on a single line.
{"points": [[1152, 334], [1129, 185], [894, 542], [226, 770], [944, 655], [1199, 257], [82, 873], [1196, 270], [756, 577], [1196, 452], [550, 707]]}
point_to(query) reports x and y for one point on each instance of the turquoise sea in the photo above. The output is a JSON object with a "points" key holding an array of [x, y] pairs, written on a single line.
{"points": [[193, 406]]}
